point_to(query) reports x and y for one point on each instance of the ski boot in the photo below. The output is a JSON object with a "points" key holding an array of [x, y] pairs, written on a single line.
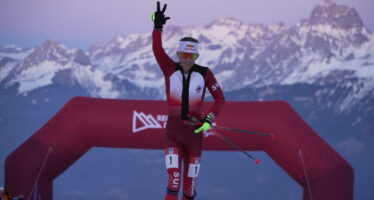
{"points": [[171, 194], [185, 197]]}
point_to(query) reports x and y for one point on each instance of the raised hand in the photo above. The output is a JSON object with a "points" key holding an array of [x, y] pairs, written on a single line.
{"points": [[159, 18]]}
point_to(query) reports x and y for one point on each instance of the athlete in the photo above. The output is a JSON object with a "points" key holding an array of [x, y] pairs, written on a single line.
{"points": [[185, 84]]}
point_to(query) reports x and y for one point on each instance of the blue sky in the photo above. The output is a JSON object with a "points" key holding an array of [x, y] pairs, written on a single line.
{"points": [[80, 23]]}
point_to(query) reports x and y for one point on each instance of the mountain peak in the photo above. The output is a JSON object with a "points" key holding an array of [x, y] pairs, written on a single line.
{"points": [[328, 3], [52, 50], [226, 21], [52, 43], [339, 16]]}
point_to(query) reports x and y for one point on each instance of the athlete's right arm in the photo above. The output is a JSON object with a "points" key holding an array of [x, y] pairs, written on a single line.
{"points": [[159, 19], [165, 62]]}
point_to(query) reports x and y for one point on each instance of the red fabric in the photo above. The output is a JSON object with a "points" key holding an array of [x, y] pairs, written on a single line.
{"points": [[84, 123], [171, 197], [181, 135], [165, 62], [174, 173], [216, 91], [189, 182], [178, 134], [169, 68], [182, 141]]}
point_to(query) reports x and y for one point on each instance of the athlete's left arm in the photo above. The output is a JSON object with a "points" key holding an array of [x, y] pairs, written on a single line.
{"points": [[216, 91]]}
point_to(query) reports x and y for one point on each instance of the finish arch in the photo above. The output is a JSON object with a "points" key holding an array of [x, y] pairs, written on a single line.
{"points": [[85, 122]]}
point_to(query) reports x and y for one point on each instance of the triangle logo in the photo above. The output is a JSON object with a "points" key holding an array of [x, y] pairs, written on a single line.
{"points": [[141, 121]]}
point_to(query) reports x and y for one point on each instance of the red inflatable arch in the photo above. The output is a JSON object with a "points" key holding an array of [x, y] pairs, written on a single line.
{"points": [[84, 123]]}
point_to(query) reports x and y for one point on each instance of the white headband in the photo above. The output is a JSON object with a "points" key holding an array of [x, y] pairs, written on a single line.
{"points": [[188, 47]]}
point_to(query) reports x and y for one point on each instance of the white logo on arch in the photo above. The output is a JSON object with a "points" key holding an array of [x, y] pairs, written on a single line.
{"points": [[141, 121]]}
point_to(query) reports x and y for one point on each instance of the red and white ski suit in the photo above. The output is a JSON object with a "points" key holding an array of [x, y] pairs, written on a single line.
{"points": [[185, 95]]}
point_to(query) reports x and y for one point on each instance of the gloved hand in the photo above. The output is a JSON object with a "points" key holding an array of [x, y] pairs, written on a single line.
{"points": [[159, 18], [206, 123]]}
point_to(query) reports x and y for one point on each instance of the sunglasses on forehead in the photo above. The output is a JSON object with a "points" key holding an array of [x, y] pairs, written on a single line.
{"points": [[188, 55]]}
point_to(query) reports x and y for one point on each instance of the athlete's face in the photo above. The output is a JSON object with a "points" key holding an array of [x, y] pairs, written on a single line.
{"points": [[186, 60]]}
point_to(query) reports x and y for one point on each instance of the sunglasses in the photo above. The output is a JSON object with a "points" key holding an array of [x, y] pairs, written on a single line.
{"points": [[188, 55]]}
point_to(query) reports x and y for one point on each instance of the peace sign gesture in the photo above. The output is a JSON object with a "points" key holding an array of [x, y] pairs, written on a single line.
{"points": [[158, 17]]}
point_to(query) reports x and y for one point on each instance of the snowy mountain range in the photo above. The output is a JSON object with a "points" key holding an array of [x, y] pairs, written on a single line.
{"points": [[52, 63], [331, 47], [333, 40], [323, 66]]}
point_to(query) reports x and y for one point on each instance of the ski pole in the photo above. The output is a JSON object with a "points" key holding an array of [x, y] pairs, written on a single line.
{"points": [[244, 131], [194, 121], [257, 161]]}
